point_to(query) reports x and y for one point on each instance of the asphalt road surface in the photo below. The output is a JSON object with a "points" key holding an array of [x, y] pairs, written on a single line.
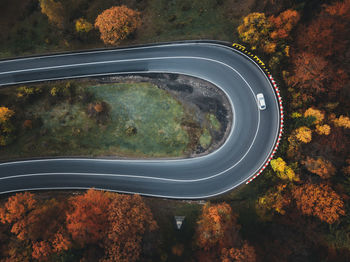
{"points": [[251, 141]]}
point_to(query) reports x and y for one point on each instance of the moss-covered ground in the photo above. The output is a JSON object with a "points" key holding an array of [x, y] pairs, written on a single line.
{"points": [[137, 120]]}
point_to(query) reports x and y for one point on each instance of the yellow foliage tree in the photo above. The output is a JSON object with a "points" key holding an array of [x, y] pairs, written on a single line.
{"points": [[296, 115], [255, 30], [283, 170], [323, 129], [6, 127], [83, 26], [303, 134], [54, 11], [275, 199], [342, 121], [25, 92], [320, 167], [317, 114]]}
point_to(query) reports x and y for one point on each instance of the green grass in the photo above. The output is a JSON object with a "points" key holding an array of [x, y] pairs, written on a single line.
{"points": [[205, 139], [153, 112], [214, 122], [66, 128], [186, 19]]}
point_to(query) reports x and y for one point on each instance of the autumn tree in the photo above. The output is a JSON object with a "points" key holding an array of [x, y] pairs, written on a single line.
{"points": [[129, 220], [99, 111], [323, 129], [5, 114], [255, 29], [215, 226], [336, 142], [303, 134], [26, 92], [276, 199], [63, 90], [117, 23], [317, 114], [327, 33], [283, 170], [217, 236], [244, 254], [54, 11], [319, 166], [262, 32], [283, 23], [27, 217], [41, 250], [15, 213], [50, 213], [342, 121], [320, 201], [83, 26], [17, 251], [6, 127], [311, 74], [340, 9], [87, 221]]}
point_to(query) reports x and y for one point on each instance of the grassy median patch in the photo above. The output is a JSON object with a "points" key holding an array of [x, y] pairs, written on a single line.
{"points": [[82, 118]]}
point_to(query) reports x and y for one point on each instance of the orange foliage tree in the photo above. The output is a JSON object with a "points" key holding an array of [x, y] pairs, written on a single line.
{"points": [[116, 23], [283, 23], [262, 32], [215, 226], [217, 236], [87, 221], [129, 219], [15, 213], [320, 201], [244, 254], [5, 114], [339, 9], [311, 73], [41, 250], [320, 167], [327, 34], [27, 217], [337, 141]]}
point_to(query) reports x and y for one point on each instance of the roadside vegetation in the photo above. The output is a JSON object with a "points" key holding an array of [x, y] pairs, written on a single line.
{"points": [[41, 26], [297, 210]]}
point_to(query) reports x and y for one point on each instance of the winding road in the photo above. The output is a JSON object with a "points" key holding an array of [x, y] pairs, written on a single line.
{"points": [[250, 145]]}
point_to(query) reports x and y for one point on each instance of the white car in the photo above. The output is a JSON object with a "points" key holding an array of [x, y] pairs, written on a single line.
{"points": [[261, 101]]}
